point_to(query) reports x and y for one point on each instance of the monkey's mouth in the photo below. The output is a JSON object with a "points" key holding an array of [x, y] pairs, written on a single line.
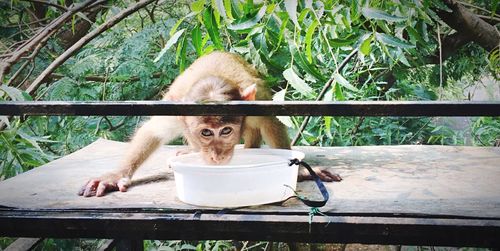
{"points": [[218, 160]]}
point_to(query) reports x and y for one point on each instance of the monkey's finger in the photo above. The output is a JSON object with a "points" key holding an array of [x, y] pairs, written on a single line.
{"points": [[82, 189], [323, 176], [334, 176], [91, 187], [329, 176], [123, 184], [103, 187]]}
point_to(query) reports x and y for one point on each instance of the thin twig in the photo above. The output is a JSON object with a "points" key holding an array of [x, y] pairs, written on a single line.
{"points": [[28, 24], [83, 41], [48, 3], [104, 79], [477, 7], [18, 72], [29, 73], [30, 58], [321, 95], [440, 62], [356, 127], [489, 18], [57, 23]]}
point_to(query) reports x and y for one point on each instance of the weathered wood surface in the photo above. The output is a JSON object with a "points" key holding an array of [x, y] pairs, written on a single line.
{"points": [[415, 195], [420, 180], [23, 244], [311, 108]]}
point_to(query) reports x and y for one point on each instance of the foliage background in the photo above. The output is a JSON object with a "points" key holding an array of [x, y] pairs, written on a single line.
{"points": [[393, 50]]}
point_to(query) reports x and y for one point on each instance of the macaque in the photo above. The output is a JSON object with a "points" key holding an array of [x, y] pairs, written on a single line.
{"points": [[219, 76]]}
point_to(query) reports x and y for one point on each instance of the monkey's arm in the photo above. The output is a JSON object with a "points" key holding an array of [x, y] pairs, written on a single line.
{"points": [[147, 139], [275, 135]]}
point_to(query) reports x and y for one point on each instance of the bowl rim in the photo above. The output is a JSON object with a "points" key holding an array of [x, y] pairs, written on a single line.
{"points": [[285, 154]]}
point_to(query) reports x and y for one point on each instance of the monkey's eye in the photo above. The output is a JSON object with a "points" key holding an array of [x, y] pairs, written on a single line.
{"points": [[206, 133], [226, 131]]}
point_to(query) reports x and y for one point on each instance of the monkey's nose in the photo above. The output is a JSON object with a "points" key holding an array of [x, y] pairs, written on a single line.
{"points": [[217, 159]]}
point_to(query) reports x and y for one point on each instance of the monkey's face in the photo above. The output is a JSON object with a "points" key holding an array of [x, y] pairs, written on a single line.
{"points": [[214, 136]]}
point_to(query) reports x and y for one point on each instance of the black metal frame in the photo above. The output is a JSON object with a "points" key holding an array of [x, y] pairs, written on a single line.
{"points": [[255, 108], [137, 224]]}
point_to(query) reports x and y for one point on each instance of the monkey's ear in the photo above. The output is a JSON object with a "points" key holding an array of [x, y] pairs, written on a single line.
{"points": [[248, 93]]}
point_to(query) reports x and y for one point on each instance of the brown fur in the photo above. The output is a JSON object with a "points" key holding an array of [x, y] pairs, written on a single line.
{"points": [[219, 76]]}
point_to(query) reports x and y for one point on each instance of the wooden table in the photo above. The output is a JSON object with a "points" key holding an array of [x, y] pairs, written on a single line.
{"points": [[415, 195]]}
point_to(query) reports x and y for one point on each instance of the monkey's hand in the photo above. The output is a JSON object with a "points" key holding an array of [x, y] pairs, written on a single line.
{"points": [[323, 173], [106, 183]]}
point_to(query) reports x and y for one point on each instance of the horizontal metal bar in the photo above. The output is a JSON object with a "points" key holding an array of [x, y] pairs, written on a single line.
{"points": [[255, 108], [277, 227]]}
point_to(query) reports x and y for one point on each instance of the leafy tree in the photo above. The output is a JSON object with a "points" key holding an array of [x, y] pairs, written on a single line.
{"points": [[306, 50]]}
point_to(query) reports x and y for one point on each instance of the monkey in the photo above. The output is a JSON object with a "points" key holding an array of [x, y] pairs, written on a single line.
{"points": [[218, 76]]}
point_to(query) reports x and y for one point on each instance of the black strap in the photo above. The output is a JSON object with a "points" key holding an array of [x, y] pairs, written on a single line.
{"points": [[319, 183]]}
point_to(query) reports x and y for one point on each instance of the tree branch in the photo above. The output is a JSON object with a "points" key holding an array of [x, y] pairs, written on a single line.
{"points": [[451, 44], [30, 58], [70, 36], [55, 76], [464, 21], [489, 19], [48, 3], [83, 41], [478, 8], [5, 65], [321, 95]]}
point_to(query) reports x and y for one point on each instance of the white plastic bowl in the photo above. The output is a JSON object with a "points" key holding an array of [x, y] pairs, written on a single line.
{"points": [[252, 177]]}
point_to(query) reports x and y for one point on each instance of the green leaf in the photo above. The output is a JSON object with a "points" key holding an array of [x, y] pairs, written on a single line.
{"points": [[282, 32], [197, 40], [5, 120], [402, 58], [216, 13], [422, 27], [219, 5], [291, 8], [303, 15], [174, 28], [237, 8], [73, 21], [30, 140], [212, 29], [339, 96], [440, 5], [84, 17], [286, 120], [270, 8], [354, 8], [365, 47], [309, 68], [393, 41], [296, 82], [260, 43], [249, 23], [343, 82], [309, 35], [339, 42], [380, 15], [13, 93], [173, 39], [494, 6], [227, 7], [180, 55], [197, 6], [328, 125], [414, 35]]}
